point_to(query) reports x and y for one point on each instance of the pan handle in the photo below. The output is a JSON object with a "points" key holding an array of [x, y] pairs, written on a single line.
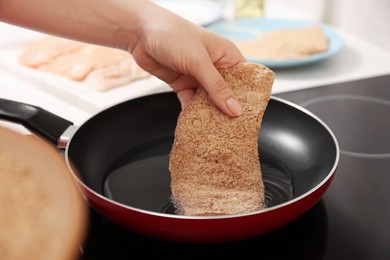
{"points": [[35, 119]]}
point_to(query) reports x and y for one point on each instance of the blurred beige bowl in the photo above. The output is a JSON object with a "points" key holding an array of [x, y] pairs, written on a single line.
{"points": [[42, 212]]}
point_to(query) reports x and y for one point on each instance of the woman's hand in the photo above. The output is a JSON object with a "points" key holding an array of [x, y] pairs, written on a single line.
{"points": [[186, 56]]}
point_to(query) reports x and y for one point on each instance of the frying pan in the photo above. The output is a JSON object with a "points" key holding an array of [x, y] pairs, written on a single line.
{"points": [[119, 158]]}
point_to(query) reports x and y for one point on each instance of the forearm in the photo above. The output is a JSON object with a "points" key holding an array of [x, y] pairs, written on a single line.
{"points": [[114, 23], [183, 54]]}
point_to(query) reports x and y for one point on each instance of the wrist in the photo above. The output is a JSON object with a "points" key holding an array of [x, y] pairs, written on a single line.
{"points": [[129, 23]]}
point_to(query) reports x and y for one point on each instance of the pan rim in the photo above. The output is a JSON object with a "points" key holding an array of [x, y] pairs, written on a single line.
{"points": [[218, 217]]}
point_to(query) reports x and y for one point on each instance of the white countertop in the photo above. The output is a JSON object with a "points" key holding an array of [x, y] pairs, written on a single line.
{"points": [[358, 59]]}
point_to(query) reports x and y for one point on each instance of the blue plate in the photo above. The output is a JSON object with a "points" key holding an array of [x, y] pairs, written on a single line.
{"points": [[247, 29]]}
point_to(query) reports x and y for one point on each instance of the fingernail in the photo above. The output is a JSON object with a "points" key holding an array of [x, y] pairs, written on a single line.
{"points": [[234, 106]]}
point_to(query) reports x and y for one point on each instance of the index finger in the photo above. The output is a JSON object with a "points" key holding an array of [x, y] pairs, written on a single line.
{"points": [[218, 89]]}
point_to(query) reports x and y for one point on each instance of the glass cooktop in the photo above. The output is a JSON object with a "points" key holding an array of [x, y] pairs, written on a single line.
{"points": [[351, 221]]}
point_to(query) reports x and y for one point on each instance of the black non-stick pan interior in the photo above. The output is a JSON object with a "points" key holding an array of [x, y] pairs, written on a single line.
{"points": [[123, 152]]}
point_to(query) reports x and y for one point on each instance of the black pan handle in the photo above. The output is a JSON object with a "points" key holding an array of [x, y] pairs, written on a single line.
{"points": [[34, 118]]}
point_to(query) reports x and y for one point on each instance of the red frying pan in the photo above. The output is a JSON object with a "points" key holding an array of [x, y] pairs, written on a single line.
{"points": [[119, 157]]}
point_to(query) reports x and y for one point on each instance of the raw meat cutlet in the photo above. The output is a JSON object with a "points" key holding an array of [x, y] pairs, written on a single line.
{"points": [[285, 43], [44, 50], [78, 64], [102, 68]]}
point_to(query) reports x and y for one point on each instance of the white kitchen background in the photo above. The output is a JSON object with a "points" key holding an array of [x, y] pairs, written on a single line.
{"points": [[369, 20]]}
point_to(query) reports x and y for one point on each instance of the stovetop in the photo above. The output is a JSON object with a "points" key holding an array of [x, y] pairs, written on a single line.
{"points": [[351, 221]]}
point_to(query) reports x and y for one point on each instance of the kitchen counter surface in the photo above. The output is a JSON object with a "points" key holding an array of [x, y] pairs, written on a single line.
{"points": [[334, 224]]}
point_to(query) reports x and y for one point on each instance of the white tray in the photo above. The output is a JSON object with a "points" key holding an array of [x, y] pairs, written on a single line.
{"points": [[74, 92]]}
